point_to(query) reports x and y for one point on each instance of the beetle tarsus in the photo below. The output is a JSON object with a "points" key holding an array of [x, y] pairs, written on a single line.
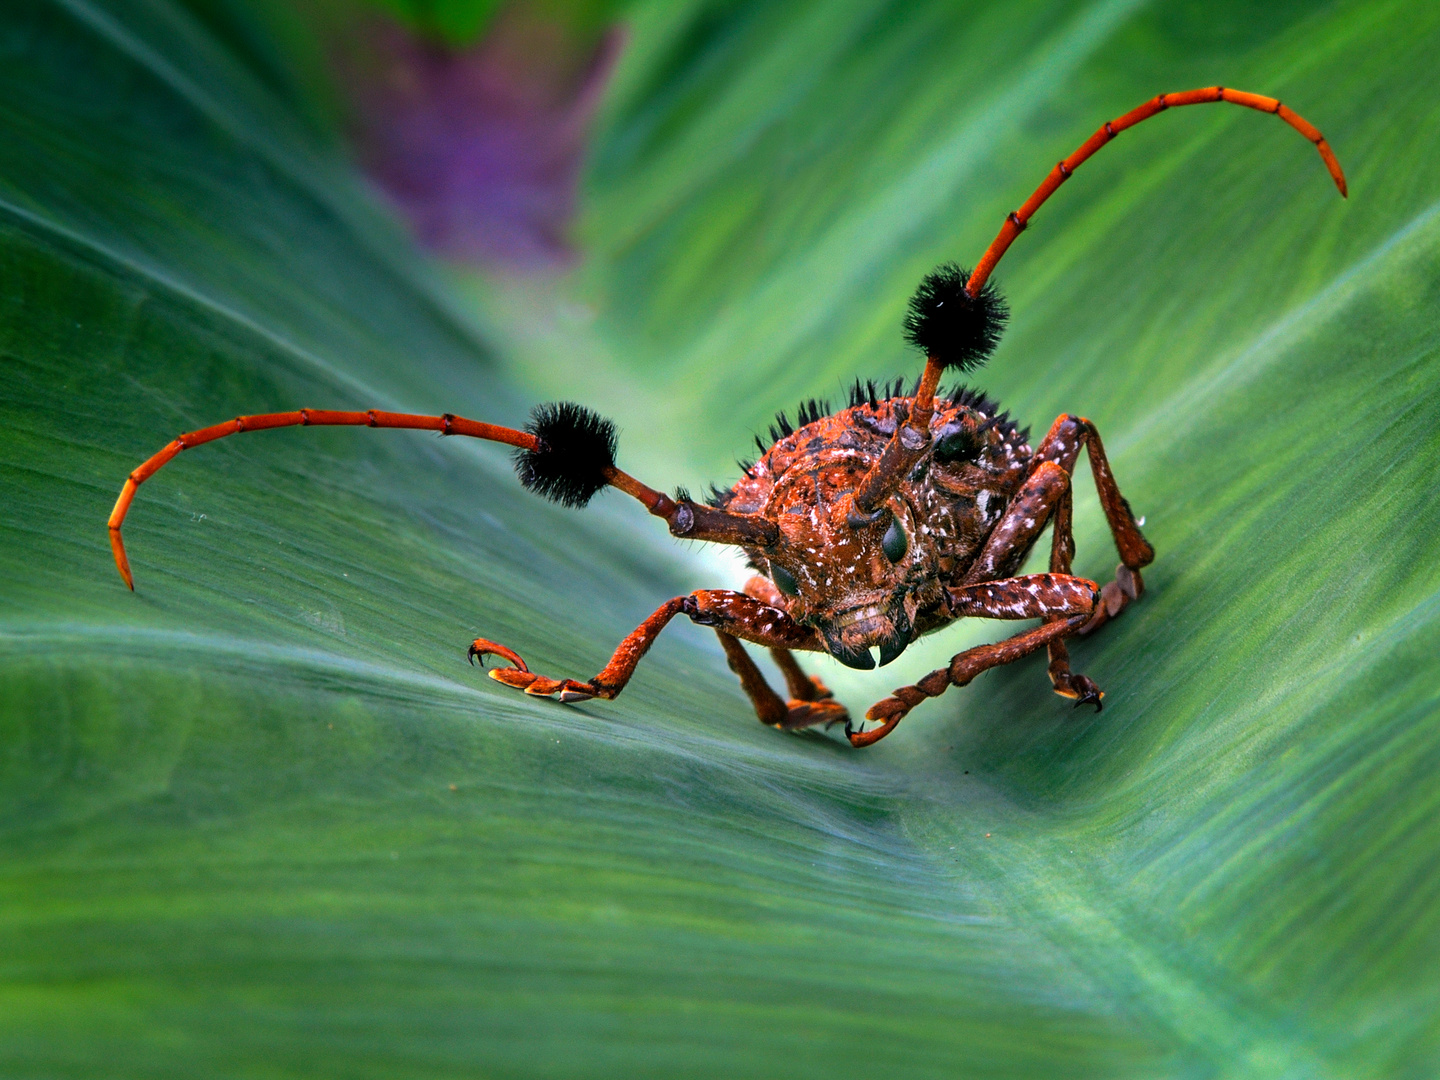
{"points": [[859, 739], [481, 648], [1080, 689], [803, 714]]}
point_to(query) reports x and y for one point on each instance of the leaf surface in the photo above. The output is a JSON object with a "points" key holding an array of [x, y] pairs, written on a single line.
{"points": [[260, 817]]}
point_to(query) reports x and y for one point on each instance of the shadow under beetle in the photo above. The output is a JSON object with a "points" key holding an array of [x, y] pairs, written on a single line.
{"points": [[869, 527]]}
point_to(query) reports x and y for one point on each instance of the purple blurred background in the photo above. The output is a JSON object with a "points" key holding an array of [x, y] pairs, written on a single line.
{"points": [[480, 145]]}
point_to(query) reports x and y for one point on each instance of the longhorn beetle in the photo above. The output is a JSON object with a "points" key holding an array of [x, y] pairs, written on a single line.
{"points": [[869, 527]]}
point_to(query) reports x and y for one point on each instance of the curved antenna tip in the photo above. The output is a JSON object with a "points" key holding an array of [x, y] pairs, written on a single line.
{"points": [[117, 518], [121, 562], [1332, 166]]}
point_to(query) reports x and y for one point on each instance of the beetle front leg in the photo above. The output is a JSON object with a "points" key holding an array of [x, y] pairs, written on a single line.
{"points": [[733, 615], [962, 668], [607, 684], [1067, 601]]}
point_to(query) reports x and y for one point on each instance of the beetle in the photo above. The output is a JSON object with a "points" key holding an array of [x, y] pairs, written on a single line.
{"points": [[868, 527]]}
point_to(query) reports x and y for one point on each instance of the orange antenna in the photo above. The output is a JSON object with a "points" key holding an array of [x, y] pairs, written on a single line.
{"points": [[1016, 222], [549, 468], [969, 328]]}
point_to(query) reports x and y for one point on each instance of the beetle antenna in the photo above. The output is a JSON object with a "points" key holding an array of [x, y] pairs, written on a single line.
{"points": [[1016, 222], [957, 317], [969, 329], [566, 453]]}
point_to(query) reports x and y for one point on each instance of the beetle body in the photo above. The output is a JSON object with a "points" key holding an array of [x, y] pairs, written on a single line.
{"points": [[869, 527]]}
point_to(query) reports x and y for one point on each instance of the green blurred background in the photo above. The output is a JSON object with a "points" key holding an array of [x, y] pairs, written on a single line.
{"points": [[260, 818]]}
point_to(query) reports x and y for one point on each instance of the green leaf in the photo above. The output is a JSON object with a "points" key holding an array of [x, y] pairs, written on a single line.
{"points": [[259, 817]]}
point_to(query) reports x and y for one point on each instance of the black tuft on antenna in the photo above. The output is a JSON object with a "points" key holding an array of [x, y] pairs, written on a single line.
{"points": [[959, 330], [576, 447]]}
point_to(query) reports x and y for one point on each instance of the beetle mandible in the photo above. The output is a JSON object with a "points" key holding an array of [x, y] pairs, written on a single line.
{"points": [[868, 527]]}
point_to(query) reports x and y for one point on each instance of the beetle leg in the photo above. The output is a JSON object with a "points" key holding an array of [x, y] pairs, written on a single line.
{"points": [[1049, 480], [1030, 596], [607, 684], [1047, 494], [769, 706], [789, 715], [1062, 446], [802, 687], [960, 671], [733, 615], [1024, 519], [1078, 688], [1067, 601], [764, 590], [1115, 597]]}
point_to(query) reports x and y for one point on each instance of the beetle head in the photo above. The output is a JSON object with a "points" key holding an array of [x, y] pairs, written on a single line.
{"points": [[857, 582]]}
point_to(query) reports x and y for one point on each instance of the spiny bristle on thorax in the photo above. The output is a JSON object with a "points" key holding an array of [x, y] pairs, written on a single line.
{"points": [[952, 327], [576, 447], [867, 393]]}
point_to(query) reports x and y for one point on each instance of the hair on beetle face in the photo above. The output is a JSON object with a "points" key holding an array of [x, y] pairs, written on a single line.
{"points": [[959, 330], [576, 447]]}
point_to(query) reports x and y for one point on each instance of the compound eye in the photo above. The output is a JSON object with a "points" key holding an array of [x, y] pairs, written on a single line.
{"points": [[783, 581], [895, 543], [960, 445]]}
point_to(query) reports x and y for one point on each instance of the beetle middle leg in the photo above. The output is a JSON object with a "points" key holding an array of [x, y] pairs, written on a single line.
{"points": [[1044, 499], [1030, 509], [770, 707], [733, 616], [1062, 445], [802, 687], [737, 616]]}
